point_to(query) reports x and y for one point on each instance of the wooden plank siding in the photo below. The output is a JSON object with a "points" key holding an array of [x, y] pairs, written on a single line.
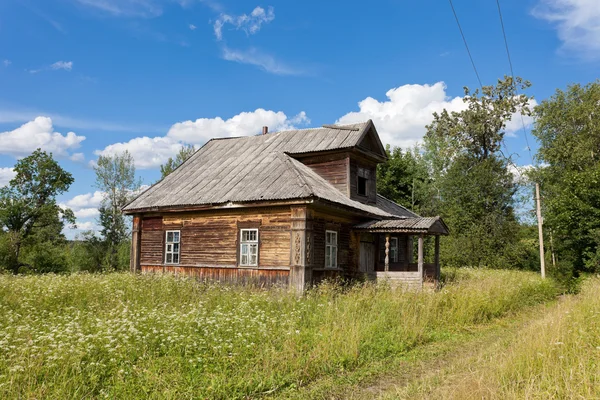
{"points": [[259, 277], [347, 245], [333, 168], [210, 241]]}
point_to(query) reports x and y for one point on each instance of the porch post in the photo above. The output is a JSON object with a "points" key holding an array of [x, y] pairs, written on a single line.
{"points": [[387, 252], [301, 249], [136, 244], [420, 258], [437, 261]]}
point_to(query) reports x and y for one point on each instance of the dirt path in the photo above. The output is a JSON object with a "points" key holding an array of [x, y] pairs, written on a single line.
{"points": [[426, 367], [434, 377]]}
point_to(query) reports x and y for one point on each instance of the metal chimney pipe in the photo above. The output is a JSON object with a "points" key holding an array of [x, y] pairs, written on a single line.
{"points": [[265, 130]]}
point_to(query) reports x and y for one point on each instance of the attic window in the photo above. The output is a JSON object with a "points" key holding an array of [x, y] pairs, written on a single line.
{"points": [[362, 187]]}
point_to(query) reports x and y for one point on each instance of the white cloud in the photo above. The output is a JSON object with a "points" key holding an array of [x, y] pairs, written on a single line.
{"points": [[248, 23], [520, 172], [577, 23], [243, 124], [401, 119], [152, 152], [125, 8], [192, 27], [147, 152], [6, 174], [65, 65], [87, 200], [77, 157], [262, 60], [6, 63], [38, 133], [515, 123], [86, 213]]}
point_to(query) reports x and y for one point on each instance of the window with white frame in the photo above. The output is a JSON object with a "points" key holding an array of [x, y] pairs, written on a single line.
{"points": [[172, 247], [331, 247], [394, 249], [249, 247]]}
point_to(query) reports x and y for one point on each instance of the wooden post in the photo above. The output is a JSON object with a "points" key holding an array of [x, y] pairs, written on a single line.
{"points": [[437, 261], [136, 244], [387, 252], [540, 230], [301, 245], [420, 258]]}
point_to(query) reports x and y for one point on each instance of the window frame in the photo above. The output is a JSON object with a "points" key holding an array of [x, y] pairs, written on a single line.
{"points": [[250, 244], [172, 243], [331, 249]]}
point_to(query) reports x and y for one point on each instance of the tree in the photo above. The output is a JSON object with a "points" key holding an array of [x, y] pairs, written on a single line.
{"points": [[115, 177], [568, 131], [28, 209], [172, 163], [403, 178], [463, 151]]}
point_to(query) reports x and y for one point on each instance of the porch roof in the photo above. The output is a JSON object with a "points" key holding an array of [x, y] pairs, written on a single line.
{"points": [[425, 225]]}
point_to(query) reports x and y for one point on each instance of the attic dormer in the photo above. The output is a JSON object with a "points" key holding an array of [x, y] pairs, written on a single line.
{"points": [[351, 170]]}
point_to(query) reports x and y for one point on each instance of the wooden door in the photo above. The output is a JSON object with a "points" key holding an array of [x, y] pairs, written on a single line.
{"points": [[367, 257]]}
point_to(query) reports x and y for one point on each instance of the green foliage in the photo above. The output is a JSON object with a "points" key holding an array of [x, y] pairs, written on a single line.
{"points": [[29, 213], [132, 336], [115, 177], [185, 152], [404, 179], [568, 130], [475, 190]]}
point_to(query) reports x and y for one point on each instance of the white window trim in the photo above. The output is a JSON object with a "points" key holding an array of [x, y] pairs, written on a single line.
{"points": [[331, 246], [249, 242], [394, 245], [178, 252]]}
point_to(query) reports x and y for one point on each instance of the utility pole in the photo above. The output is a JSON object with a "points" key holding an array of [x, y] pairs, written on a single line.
{"points": [[540, 231]]}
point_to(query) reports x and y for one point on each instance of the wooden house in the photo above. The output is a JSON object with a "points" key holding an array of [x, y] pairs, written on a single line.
{"points": [[291, 208]]}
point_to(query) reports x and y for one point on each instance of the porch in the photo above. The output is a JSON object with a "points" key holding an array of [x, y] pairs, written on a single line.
{"points": [[387, 251]]}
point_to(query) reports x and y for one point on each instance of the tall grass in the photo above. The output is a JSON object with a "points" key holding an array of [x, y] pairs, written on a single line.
{"points": [[125, 336], [556, 357]]}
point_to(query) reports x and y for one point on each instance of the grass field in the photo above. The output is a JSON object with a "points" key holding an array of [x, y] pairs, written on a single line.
{"points": [[555, 356], [125, 336]]}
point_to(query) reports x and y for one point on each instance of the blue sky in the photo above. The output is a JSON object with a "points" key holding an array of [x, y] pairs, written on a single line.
{"points": [[87, 77]]}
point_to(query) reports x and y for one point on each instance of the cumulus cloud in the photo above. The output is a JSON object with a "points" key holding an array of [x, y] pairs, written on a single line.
{"points": [[248, 23], [152, 152], [66, 65], [6, 63], [577, 23], [192, 27], [243, 124], [6, 174], [517, 121], [401, 119], [38, 133], [87, 200], [147, 152]]}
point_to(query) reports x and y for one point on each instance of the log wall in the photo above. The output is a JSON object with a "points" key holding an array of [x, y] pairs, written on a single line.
{"points": [[210, 242]]}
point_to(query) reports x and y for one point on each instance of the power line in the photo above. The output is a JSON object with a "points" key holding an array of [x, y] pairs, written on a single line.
{"points": [[466, 45], [512, 74]]}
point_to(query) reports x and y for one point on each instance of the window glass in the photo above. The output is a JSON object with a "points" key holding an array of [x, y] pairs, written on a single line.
{"points": [[330, 249], [249, 247], [172, 247]]}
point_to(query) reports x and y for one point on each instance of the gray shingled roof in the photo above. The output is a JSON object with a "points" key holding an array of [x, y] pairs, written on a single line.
{"points": [[419, 224], [255, 168]]}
